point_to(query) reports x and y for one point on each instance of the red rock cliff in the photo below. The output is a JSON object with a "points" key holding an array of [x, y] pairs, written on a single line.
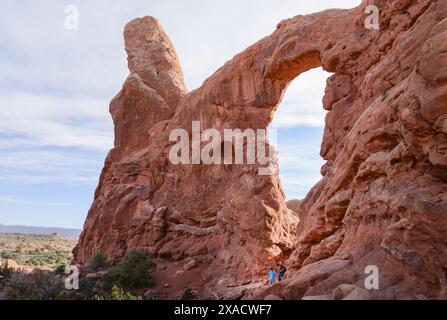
{"points": [[382, 200]]}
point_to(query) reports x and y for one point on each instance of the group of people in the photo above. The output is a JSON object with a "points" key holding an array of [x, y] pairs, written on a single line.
{"points": [[281, 272]]}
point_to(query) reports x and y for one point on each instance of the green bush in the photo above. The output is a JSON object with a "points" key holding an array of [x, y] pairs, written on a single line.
{"points": [[60, 269], [8, 255], [32, 261], [119, 294], [6, 273], [134, 271], [97, 260], [86, 286], [189, 294], [37, 286]]}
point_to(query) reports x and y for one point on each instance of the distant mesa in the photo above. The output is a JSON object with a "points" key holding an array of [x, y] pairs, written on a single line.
{"points": [[57, 232]]}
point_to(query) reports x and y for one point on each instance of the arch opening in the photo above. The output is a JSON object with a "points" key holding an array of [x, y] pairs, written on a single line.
{"points": [[299, 123]]}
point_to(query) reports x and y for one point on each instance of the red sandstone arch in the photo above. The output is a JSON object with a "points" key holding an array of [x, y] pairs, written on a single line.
{"points": [[384, 182]]}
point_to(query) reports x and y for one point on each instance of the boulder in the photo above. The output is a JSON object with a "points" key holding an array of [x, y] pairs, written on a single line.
{"points": [[322, 297], [359, 294], [94, 276], [190, 265], [342, 291], [272, 297], [152, 294]]}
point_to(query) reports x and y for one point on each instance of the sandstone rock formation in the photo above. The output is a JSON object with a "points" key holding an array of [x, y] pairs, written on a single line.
{"points": [[383, 197]]}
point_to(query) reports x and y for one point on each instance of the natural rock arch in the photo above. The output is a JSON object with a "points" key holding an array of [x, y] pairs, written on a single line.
{"points": [[386, 126]]}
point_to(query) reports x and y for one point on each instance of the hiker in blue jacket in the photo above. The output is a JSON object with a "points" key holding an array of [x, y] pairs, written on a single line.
{"points": [[272, 276]]}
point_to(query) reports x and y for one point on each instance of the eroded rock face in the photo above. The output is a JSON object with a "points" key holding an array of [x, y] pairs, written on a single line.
{"points": [[383, 197]]}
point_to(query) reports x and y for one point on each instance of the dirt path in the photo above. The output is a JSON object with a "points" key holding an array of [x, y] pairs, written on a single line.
{"points": [[171, 284]]}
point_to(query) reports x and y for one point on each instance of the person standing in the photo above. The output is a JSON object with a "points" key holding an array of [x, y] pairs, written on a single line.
{"points": [[282, 271], [272, 276]]}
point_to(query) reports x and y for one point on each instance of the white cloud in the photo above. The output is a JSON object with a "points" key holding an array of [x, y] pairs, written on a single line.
{"points": [[302, 103], [297, 187], [50, 139], [20, 201], [302, 181], [39, 178], [298, 157], [47, 161], [206, 34], [37, 166], [45, 120]]}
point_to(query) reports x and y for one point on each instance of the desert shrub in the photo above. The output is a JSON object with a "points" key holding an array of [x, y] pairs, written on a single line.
{"points": [[8, 255], [86, 286], [118, 294], [60, 269], [134, 271], [97, 260], [32, 261], [6, 273], [189, 294], [36, 286]]}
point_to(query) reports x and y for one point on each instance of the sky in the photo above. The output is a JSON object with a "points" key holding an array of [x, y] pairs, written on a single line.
{"points": [[56, 84]]}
